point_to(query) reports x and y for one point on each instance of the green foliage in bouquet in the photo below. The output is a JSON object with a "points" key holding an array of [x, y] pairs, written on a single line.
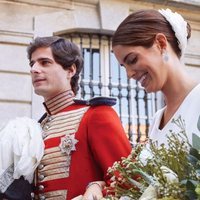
{"points": [[171, 172]]}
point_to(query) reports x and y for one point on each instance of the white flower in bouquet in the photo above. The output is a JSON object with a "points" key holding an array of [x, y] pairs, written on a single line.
{"points": [[149, 194], [170, 176], [125, 198], [145, 155]]}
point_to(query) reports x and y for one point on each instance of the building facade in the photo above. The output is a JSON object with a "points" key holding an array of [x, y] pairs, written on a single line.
{"points": [[90, 24]]}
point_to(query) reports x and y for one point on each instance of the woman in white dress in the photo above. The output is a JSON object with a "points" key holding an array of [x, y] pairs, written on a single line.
{"points": [[150, 45]]}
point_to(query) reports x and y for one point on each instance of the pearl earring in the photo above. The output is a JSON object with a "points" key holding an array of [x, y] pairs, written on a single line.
{"points": [[165, 55]]}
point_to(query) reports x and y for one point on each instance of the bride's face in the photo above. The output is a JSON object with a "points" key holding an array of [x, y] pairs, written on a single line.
{"points": [[145, 65]]}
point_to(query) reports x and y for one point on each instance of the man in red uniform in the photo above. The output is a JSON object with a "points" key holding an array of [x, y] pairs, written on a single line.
{"points": [[81, 140]]}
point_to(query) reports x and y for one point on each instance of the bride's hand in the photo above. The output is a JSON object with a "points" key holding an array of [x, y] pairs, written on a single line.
{"points": [[94, 191]]}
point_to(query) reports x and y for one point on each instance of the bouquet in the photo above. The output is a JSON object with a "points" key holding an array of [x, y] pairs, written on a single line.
{"points": [[169, 173]]}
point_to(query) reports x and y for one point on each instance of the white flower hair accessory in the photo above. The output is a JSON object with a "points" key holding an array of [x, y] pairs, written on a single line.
{"points": [[179, 26]]}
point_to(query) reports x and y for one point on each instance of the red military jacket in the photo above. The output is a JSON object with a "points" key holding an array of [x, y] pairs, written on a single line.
{"points": [[81, 142]]}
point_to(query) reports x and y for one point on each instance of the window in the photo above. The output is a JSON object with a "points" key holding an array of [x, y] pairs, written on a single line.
{"points": [[102, 76]]}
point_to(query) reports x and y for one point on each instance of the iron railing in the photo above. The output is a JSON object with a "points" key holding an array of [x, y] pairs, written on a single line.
{"points": [[102, 76]]}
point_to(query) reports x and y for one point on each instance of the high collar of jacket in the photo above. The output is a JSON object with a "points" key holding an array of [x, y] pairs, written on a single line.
{"points": [[59, 102]]}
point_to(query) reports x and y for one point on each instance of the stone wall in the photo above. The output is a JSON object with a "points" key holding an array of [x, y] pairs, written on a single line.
{"points": [[21, 20]]}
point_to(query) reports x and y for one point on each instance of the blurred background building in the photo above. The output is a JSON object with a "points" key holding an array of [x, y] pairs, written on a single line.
{"points": [[90, 24]]}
